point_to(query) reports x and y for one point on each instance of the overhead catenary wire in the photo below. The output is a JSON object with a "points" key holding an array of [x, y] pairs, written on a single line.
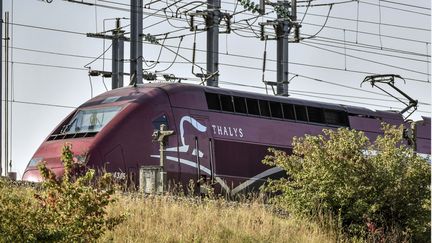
{"points": [[187, 28], [71, 32], [326, 4], [343, 45], [407, 5], [371, 22], [379, 25], [370, 46], [246, 67], [311, 14], [175, 57], [394, 8], [364, 45], [251, 57], [368, 60], [356, 20], [41, 104], [368, 33], [300, 75], [317, 96], [322, 27]]}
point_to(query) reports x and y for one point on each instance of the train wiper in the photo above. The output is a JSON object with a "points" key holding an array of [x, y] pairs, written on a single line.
{"points": [[66, 127]]}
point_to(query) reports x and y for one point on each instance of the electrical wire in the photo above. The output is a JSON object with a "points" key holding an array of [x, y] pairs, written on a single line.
{"points": [[305, 13], [312, 14], [73, 32], [379, 20], [327, 4], [368, 33], [371, 22], [234, 55], [175, 58], [317, 96], [369, 46], [247, 67], [367, 60], [407, 5], [157, 60], [97, 58], [343, 45], [394, 8], [354, 20], [357, 21], [42, 104], [322, 27], [311, 78]]}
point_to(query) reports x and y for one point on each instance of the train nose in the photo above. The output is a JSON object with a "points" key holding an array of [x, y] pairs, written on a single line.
{"points": [[32, 172]]}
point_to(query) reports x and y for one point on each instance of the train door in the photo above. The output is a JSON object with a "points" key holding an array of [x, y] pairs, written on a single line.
{"points": [[195, 135]]}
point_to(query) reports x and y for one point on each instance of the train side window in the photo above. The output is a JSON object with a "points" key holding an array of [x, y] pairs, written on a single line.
{"points": [[315, 114], [264, 108], [252, 106], [213, 101], [338, 118], [226, 102], [276, 109], [159, 121], [301, 113], [240, 105], [288, 111]]}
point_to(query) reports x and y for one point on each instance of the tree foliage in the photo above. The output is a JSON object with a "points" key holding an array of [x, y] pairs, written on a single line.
{"points": [[67, 209], [370, 187]]}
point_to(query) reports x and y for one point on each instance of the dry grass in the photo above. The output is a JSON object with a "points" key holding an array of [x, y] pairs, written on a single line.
{"points": [[173, 219]]}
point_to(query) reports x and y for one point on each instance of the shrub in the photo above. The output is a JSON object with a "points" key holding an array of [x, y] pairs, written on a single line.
{"points": [[67, 209], [371, 188]]}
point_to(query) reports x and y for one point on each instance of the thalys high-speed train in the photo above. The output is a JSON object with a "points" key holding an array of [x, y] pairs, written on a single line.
{"points": [[219, 134]]}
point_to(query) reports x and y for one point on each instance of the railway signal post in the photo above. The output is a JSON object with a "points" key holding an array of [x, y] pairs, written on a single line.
{"points": [[161, 136]]}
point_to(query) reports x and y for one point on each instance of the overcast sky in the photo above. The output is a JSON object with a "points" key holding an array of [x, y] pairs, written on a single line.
{"points": [[48, 65]]}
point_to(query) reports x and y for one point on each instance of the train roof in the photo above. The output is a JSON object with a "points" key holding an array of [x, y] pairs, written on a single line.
{"points": [[132, 93]]}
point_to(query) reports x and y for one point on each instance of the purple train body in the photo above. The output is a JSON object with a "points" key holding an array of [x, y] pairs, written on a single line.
{"points": [[219, 134]]}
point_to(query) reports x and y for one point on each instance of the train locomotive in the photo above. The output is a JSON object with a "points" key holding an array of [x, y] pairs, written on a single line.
{"points": [[220, 135]]}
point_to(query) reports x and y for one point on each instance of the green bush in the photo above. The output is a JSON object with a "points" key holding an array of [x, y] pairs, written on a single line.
{"points": [[372, 189], [67, 209]]}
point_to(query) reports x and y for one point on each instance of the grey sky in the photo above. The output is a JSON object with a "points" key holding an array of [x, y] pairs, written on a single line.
{"points": [[70, 87]]}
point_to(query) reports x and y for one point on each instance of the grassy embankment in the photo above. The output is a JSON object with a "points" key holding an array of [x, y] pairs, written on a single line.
{"points": [[169, 219]]}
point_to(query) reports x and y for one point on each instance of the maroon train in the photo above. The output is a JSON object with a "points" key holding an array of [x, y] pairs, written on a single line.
{"points": [[219, 134]]}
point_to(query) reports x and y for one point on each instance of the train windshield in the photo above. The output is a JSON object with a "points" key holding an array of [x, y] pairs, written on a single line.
{"points": [[90, 120]]}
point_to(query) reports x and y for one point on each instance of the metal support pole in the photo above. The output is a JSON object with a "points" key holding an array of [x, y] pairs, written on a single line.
{"points": [[213, 7], [6, 73], [294, 19], [283, 30], [117, 57], [1, 85], [136, 50]]}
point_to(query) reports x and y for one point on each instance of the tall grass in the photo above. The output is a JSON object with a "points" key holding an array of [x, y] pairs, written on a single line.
{"points": [[186, 219]]}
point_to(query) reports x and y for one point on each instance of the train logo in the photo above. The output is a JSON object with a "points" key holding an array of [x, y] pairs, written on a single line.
{"points": [[184, 148]]}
